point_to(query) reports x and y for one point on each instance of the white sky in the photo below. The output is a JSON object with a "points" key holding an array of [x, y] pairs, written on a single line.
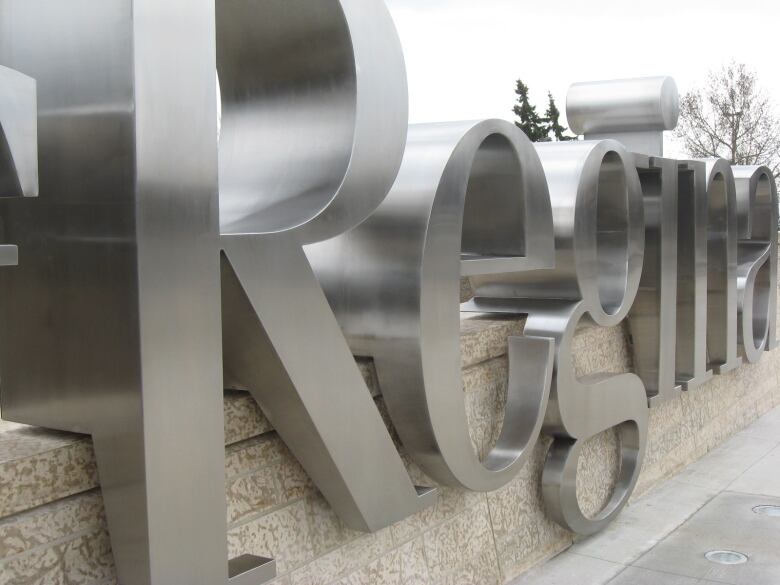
{"points": [[463, 56]]}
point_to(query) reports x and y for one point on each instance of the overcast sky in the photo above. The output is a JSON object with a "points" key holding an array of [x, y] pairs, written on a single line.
{"points": [[463, 56]]}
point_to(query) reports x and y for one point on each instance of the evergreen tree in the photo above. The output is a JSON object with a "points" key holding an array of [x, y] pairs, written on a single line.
{"points": [[530, 122], [553, 116]]}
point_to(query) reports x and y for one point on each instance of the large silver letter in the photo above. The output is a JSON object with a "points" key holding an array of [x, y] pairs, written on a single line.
{"points": [[600, 243], [707, 273], [691, 347], [633, 111], [471, 200], [314, 118], [757, 260], [721, 268], [599, 237], [653, 316], [110, 325]]}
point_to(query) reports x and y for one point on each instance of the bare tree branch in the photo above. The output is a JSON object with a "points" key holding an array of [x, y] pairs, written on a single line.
{"points": [[732, 118]]}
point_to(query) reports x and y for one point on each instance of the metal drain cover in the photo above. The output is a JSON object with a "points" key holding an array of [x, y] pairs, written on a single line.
{"points": [[726, 557], [772, 511]]}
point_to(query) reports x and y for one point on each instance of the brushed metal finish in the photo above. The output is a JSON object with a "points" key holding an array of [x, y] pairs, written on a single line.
{"points": [[111, 322], [470, 199], [599, 229], [250, 570], [653, 316], [284, 171], [623, 105], [721, 268], [314, 114], [599, 241], [305, 155], [707, 273], [282, 343], [634, 111], [18, 135], [691, 344], [756, 194]]}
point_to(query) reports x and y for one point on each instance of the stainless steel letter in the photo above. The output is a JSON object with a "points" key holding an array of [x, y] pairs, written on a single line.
{"points": [[599, 230], [653, 316], [314, 117], [111, 322], [18, 144], [471, 200], [691, 346], [721, 268], [634, 111], [757, 260], [707, 273], [599, 237]]}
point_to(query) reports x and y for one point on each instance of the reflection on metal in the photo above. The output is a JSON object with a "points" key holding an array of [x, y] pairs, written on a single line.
{"points": [[302, 82], [599, 241], [282, 342], [597, 202], [691, 343], [757, 260], [250, 570], [653, 316], [314, 114], [466, 201], [634, 111], [721, 268], [333, 235], [18, 135], [110, 323]]}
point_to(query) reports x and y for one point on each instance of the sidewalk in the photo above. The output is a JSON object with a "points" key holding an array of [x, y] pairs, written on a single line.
{"points": [[662, 539]]}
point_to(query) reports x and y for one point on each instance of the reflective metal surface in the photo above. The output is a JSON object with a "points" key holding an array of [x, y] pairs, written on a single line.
{"points": [[335, 234], [653, 316], [470, 199], [110, 323], [691, 344], [633, 111], [707, 270], [721, 268], [304, 154], [314, 114], [599, 233], [282, 343], [18, 135], [599, 240], [756, 194], [18, 144]]}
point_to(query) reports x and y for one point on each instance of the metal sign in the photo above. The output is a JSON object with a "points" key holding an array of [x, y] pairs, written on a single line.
{"points": [[257, 228]]}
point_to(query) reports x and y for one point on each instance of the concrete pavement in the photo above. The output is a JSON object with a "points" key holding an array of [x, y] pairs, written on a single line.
{"points": [[712, 505]]}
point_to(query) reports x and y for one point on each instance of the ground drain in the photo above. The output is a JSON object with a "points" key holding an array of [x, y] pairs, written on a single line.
{"points": [[771, 511], [726, 557]]}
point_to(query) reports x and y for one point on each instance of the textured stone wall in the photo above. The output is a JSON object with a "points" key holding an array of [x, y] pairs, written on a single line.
{"points": [[52, 524]]}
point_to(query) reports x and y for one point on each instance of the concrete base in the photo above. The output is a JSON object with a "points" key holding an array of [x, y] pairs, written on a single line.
{"points": [[52, 528]]}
